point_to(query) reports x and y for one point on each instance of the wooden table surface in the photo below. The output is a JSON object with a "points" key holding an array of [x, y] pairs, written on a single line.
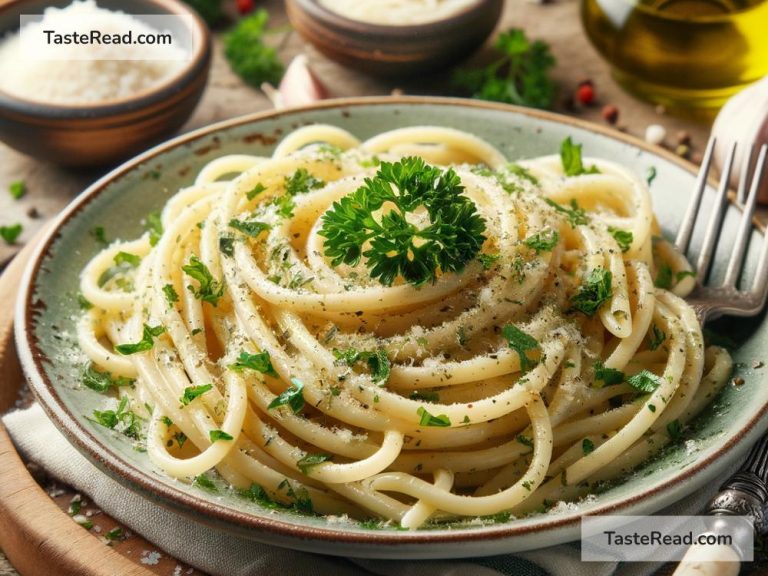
{"points": [[50, 187]]}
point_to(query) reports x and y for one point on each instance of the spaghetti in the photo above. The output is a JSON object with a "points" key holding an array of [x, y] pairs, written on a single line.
{"points": [[557, 355]]}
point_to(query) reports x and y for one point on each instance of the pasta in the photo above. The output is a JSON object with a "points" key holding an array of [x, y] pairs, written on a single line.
{"points": [[531, 342]]}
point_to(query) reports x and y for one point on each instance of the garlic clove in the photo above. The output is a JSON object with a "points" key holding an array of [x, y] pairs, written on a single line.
{"points": [[300, 86], [743, 119]]}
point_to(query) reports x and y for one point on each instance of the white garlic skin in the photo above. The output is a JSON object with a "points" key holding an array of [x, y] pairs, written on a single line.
{"points": [[743, 119]]}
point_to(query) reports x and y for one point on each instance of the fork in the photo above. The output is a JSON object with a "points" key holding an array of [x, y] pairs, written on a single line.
{"points": [[745, 493]]}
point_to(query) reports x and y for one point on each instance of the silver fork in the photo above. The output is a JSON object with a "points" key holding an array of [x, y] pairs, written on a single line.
{"points": [[745, 493], [726, 299]]}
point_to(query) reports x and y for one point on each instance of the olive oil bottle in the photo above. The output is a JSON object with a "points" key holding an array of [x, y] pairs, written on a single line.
{"points": [[683, 54]]}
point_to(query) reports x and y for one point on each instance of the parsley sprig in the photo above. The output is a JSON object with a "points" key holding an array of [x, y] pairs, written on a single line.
{"points": [[292, 397], [594, 292], [209, 289], [570, 156], [146, 343], [398, 247]]}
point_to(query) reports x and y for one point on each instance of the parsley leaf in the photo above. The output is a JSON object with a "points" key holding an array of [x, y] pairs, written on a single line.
{"points": [[664, 277], [255, 191], [309, 461], [644, 381], [146, 343], [623, 238], [650, 175], [432, 397], [524, 440], [519, 76], [154, 225], [205, 483], [657, 337], [291, 397], [104, 381], [398, 247], [260, 362], [227, 245], [170, 295], [216, 435], [250, 228], [377, 361], [674, 429], [608, 376], [543, 241], [99, 234], [575, 214], [570, 156], [17, 189], [521, 342], [247, 54], [593, 292], [428, 419], [209, 290], [128, 259], [587, 446], [683, 274], [488, 260], [11, 233], [260, 496], [301, 182], [122, 419], [192, 392]]}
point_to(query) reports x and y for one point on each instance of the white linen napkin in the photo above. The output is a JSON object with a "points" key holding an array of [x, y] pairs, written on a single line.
{"points": [[222, 554]]}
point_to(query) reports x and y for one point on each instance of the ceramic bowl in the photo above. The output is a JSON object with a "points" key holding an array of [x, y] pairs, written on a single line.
{"points": [[104, 133], [48, 309], [395, 50]]}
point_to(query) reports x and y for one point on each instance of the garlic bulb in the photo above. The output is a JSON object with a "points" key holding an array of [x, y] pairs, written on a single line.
{"points": [[299, 86], [743, 119]]}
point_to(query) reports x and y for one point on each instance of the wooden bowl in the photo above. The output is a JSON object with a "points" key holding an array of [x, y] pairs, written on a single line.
{"points": [[104, 133], [395, 50]]}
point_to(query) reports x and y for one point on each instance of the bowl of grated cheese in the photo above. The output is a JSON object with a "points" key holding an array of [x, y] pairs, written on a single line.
{"points": [[99, 103]]}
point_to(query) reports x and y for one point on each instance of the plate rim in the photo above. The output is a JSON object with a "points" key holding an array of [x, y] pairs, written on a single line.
{"points": [[128, 475]]}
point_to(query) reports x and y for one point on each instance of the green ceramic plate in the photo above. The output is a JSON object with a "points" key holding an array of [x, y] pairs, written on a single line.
{"points": [[118, 202]]}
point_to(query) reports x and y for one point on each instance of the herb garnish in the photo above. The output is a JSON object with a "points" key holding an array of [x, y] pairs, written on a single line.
{"points": [[488, 260], [674, 429], [593, 292], [154, 225], [249, 57], [192, 392], [587, 446], [146, 343], [99, 234], [608, 376], [123, 419], [216, 435], [227, 245], [104, 381], [524, 440], [377, 361], [575, 214], [623, 238], [11, 233], [644, 381], [291, 397], [250, 228], [664, 277], [209, 289], [570, 156], [521, 342], [428, 419], [520, 76], [657, 337], [301, 182], [170, 295], [309, 461], [255, 191], [17, 189], [543, 241], [398, 247], [260, 362]]}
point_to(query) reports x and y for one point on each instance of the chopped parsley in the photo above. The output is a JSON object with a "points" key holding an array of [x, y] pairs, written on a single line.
{"points": [[657, 337], [664, 277], [291, 397], [83, 302], [301, 182], [250, 228], [524, 440], [432, 397], [255, 191], [260, 362], [216, 435], [674, 429], [650, 176], [192, 392], [427, 419], [309, 461], [376, 360], [208, 289], [17, 189], [153, 224], [397, 247], [123, 419], [227, 245], [575, 214], [623, 238], [103, 381], [488, 260], [521, 343], [644, 381], [542, 241], [607, 376], [683, 274], [171, 295], [11, 233], [594, 292], [146, 343], [570, 156], [205, 483], [99, 234], [127, 259], [587, 446]]}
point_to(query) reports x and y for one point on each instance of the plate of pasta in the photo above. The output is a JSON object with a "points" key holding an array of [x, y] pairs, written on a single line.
{"points": [[449, 326]]}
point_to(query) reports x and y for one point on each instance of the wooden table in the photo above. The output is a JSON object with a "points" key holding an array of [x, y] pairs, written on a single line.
{"points": [[50, 188]]}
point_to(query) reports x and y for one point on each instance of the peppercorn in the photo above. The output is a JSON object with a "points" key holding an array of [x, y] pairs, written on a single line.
{"points": [[610, 113], [585, 93]]}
